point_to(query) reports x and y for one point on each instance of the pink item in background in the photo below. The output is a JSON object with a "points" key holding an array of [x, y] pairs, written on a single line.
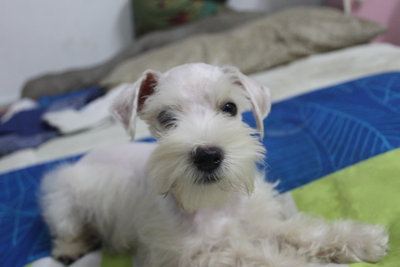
{"points": [[386, 12]]}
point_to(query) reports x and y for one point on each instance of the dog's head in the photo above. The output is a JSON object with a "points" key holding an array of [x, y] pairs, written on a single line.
{"points": [[205, 153]]}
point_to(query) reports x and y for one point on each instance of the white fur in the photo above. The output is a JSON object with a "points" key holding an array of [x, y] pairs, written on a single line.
{"points": [[146, 198]]}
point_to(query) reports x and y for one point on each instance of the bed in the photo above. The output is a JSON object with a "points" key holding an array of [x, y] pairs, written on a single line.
{"points": [[333, 141]]}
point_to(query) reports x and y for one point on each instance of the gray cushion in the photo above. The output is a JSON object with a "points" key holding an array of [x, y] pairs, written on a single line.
{"points": [[258, 45]]}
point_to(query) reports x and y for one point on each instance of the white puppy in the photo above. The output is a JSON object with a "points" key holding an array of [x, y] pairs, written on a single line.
{"points": [[196, 198]]}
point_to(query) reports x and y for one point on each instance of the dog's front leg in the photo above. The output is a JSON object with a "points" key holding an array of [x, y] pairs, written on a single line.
{"points": [[340, 241]]}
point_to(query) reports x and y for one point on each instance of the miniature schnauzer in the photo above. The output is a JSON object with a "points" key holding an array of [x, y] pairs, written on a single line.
{"points": [[196, 198]]}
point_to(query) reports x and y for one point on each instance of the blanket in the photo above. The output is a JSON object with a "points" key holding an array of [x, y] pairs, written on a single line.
{"points": [[318, 133], [26, 128], [308, 137]]}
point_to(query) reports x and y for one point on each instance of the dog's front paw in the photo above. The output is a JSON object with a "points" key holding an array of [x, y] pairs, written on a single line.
{"points": [[367, 243], [66, 257], [68, 252]]}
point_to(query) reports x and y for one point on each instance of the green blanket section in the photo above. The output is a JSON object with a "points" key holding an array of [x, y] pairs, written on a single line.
{"points": [[110, 260], [368, 192]]}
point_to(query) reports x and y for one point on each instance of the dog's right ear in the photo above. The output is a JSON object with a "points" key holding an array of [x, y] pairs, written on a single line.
{"points": [[258, 95], [132, 99]]}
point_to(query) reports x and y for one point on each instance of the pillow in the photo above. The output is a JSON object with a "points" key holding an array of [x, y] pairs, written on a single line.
{"points": [[259, 45], [150, 15]]}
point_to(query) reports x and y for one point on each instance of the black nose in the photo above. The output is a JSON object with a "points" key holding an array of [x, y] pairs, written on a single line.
{"points": [[207, 158]]}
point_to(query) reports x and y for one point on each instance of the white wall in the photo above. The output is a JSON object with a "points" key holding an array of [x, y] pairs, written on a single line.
{"points": [[38, 36]]}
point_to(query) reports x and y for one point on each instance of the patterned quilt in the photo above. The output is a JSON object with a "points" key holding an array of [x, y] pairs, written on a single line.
{"points": [[336, 149]]}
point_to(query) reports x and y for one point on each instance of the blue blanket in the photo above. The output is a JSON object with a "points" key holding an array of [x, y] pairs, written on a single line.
{"points": [[307, 137], [318, 133]]}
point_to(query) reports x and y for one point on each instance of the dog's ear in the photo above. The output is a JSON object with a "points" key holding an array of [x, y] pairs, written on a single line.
{"points": [[259, 95], [132, 99]]}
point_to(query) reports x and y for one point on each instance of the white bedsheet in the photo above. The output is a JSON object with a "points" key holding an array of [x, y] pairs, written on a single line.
{"points": [[327, 69], [286, 81]]}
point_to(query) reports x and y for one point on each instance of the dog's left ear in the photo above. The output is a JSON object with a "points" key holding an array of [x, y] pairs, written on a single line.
{"points": [[259, 95], [132, 99]]}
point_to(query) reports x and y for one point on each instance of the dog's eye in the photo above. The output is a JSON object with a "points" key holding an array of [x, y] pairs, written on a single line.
{"points": [[166, 119], [229, 108]]}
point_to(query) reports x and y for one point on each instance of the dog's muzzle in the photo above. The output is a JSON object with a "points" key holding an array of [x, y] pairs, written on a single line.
{"points": [[207, 159]]}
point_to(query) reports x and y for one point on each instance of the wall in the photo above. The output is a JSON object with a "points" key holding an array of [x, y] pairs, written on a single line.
{"points": [[386, 12], [39, 36]]}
